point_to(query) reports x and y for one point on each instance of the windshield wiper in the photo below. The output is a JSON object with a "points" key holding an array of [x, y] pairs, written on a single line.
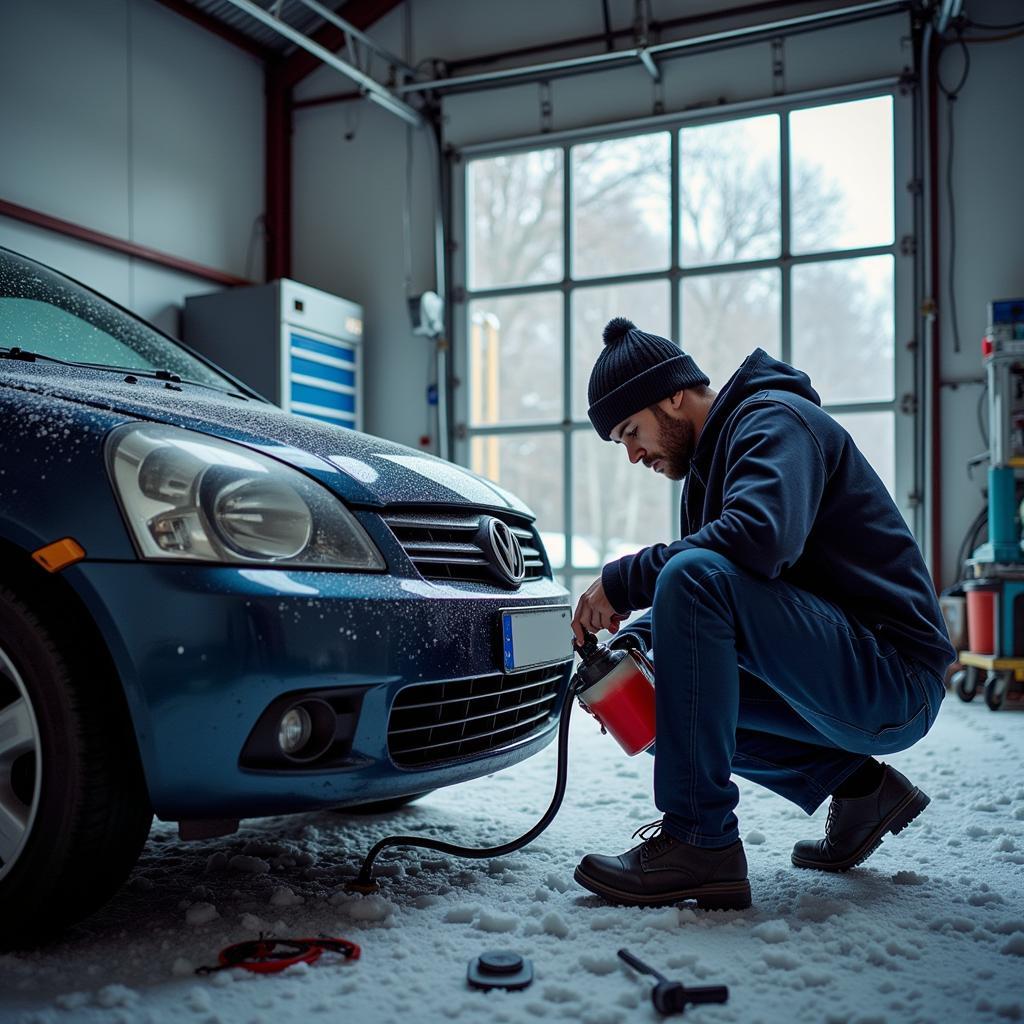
{"points": [[24, 355], [28, 356]]}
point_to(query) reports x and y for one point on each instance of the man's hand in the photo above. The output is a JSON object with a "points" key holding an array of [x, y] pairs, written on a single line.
{"points": [[594, 611]]}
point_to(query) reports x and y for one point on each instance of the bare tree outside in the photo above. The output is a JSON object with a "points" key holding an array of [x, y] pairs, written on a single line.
{"points": [[515, 203], [730, 212]]}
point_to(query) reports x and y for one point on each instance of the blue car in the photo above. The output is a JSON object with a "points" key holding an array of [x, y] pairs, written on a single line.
{"points": [[211, 609]]}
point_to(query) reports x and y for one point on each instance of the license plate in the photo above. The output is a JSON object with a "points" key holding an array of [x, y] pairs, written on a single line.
{"points": [[536, 636]]}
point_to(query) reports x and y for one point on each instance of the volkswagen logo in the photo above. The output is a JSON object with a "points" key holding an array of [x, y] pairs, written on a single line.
{"points": [[501, 546]]}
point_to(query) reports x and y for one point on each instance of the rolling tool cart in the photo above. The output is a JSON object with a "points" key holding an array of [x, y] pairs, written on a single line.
{"points": [[995, 589]]}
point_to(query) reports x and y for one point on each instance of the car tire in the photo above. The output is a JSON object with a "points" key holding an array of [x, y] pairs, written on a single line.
{"points": [[382, 806], [74, 812]]}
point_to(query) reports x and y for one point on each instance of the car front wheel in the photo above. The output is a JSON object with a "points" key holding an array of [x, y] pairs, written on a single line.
{"points": [[74, 813]]}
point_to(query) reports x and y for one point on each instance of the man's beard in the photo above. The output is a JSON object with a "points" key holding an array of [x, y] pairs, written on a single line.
{"points": [[677, 440]]}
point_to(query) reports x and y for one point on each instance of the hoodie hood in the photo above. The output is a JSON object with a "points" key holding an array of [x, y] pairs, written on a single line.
{"points": [[360, 468], [758, 373]]}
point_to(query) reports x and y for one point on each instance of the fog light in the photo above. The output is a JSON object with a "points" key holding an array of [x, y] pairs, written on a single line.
{"points": [[295, 730]]}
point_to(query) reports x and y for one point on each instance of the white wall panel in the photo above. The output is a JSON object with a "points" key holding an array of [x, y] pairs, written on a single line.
{"points": [[349, 240], [507, 113], [197, 142], [126, 118], [159, 294], [64, 110], [850, 53]]}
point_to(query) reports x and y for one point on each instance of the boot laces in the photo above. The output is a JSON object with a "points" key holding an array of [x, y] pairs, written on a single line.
{"points": [[649, 831], [652, 836], [830, 820]]}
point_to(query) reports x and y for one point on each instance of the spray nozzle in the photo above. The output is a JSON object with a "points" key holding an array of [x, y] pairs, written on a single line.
{"points": [[590, 647]]}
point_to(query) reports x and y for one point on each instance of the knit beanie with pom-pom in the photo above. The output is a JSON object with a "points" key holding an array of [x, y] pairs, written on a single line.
{"points": [[634, 370]]}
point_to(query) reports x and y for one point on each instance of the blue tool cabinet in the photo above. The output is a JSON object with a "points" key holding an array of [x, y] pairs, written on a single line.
{"points": [[296, 345]]}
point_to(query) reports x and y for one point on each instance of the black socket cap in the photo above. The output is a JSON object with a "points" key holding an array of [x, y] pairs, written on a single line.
{"points": [[500, 962], [500, 968]]}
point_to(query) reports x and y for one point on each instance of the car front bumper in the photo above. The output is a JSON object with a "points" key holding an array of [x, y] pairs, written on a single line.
{"points": [[203, 650]]}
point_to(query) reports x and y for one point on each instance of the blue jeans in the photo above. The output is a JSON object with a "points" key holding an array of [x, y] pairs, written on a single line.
{"points": [[758, 678]]}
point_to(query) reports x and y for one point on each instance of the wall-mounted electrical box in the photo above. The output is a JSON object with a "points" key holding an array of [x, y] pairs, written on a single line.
{"points": [[298, 346]]}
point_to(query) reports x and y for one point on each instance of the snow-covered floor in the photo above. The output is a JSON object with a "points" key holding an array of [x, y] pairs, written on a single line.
{"points": [[930, 928]]}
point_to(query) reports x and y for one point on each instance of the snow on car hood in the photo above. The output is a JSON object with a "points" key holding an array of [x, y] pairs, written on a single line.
{"points": [[363, 469]]}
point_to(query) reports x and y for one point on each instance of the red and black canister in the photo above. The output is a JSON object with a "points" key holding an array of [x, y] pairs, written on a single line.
{"points": [[617, 688]]}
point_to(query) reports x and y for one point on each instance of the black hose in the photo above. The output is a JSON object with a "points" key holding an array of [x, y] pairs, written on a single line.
{"points": [[365, 878], [969, 543]]}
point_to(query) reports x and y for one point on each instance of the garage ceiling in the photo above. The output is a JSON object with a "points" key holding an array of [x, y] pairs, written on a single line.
{"points": [[363, 13], [292, 11]]}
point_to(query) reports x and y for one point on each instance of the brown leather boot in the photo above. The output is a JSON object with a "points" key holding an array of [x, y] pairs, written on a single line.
{"points": [[664, 870]]}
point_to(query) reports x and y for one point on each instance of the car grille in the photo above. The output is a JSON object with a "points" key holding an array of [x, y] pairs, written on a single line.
{"points": [[444, 547], [433, 723]]}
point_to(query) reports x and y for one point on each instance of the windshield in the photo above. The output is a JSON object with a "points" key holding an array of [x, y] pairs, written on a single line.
{"points": [[49, 314]]}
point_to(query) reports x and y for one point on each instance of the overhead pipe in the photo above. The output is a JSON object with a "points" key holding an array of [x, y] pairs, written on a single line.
{"points": [[667, 51], [918, 501], [930, 307], [609, 36]]}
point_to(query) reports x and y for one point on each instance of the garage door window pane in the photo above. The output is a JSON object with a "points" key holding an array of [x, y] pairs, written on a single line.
{"points": [[618, 508], [515, 209], [646, 303], [874, 433], [530, 466], [726, 316], [842, 175], [515, 359], [620, 200], [844, 327], [729, 191]]}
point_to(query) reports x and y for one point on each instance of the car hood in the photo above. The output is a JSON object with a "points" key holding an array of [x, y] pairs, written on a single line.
{"points": [[361, 468]]}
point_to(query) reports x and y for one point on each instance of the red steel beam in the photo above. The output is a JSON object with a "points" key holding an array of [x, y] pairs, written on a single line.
{"points": [[322, 101], [121, 245], [278, 176]]}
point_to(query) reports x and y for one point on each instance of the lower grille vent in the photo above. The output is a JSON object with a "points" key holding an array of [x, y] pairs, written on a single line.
{"points": [[433, 723]]}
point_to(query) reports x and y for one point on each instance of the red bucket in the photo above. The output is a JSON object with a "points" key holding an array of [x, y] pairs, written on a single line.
{"points": [[982, 615], [622, 700]]}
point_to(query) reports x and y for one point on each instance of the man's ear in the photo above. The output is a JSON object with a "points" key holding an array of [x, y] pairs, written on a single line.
{"points": [[677, 399]]}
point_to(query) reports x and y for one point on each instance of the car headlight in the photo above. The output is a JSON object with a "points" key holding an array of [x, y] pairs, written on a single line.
{"points": [[190, 497]]}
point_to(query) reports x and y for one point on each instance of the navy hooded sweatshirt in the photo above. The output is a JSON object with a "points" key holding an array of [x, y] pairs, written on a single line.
{"points": [[779, 487]]}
